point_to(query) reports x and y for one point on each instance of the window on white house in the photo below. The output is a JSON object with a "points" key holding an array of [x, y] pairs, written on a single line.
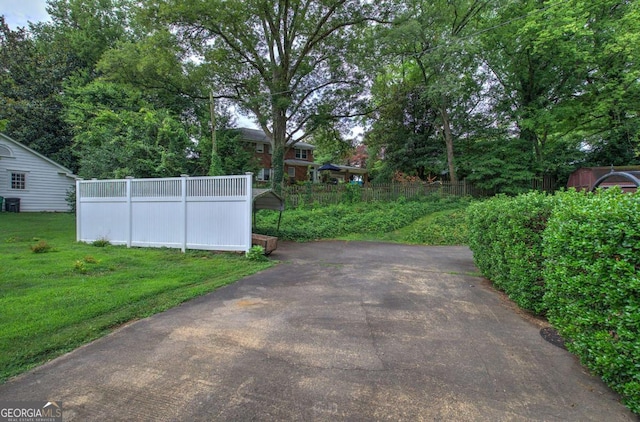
{"points": [[259, 147], [19, 181], [301, 153], [5, 151], [292, 172]]}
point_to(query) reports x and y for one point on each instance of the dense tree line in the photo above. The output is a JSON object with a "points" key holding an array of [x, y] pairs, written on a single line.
{"points": [[493, 91]]}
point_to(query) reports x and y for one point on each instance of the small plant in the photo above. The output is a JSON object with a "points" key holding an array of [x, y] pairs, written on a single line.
{"points": [[79, 266], [41, 247], [101, 243], [70, 198], [90, 260], [256, 253]]}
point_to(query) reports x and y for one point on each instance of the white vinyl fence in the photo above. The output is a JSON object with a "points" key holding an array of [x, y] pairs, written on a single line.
{"points": [[210, 213]]}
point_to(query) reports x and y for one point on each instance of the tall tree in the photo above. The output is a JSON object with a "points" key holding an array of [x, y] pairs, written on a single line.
{"points": [[31, 77], [287, 62], [566, 76], [119, 133], [429, 43]]}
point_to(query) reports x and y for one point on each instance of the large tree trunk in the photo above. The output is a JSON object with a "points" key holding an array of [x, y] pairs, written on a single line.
{"points": [[448, 140], [279, 147]]}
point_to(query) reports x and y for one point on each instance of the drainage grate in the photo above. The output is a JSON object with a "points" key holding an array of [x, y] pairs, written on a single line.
{"points": [[551, 335]]}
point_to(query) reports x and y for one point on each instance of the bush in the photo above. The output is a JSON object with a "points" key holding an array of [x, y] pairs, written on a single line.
{"points": [[592, 250], [41, 247], [101, 243], [256, 253], [505, 235]]}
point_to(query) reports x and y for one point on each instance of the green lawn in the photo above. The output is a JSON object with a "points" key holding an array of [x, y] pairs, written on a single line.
{"points": [[54, 301]]}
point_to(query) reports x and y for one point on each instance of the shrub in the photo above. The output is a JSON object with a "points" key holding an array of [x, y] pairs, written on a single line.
{"points": [[592, 250], [505, 235], [101, 243], [41, 247], [256, 253]]}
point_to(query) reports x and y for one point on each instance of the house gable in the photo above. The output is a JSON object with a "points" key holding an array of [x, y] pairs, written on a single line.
{"points": [[39, 182]]}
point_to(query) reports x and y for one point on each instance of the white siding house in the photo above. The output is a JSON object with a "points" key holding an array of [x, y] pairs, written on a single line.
{"points": [[40, 183]]}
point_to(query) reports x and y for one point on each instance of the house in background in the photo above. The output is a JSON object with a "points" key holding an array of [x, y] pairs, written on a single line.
{"points": [[298, 160], [40, 183]]}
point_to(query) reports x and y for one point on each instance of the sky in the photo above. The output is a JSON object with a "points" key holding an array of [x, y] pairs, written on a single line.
{"points": [[19, 12]]}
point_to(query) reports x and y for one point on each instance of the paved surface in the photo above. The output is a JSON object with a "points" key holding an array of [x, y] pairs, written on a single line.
{"points": [[338, 331]]}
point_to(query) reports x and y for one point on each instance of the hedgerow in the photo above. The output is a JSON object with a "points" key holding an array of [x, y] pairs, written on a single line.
{"points": [[592, 251], [505, 235], [576, 258]]}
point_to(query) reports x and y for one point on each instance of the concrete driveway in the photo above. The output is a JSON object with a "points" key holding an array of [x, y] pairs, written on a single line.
{"points": [[337, 331]]}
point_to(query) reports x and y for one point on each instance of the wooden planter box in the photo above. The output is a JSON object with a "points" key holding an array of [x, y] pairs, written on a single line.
{"points": [[269, 243]]}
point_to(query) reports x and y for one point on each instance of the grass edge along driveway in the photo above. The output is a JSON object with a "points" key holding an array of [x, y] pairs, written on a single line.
{"points": [[57, 294]]}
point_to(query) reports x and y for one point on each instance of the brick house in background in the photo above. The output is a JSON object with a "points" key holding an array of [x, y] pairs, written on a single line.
{"points": [[298, 161]]}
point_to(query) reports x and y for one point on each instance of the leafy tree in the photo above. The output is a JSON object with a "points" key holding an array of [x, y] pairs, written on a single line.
{"points": [[37, 63], [118, 133], [404, 130], [233, 156], [31, 76], [331, 146], [432, 63], [287, 62], [566, 77]]}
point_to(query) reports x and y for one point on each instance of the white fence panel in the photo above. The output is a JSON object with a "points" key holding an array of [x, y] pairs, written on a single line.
{"points": [[212, 213]]}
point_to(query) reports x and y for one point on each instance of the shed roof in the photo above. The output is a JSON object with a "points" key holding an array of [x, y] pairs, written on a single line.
{"points": [[266, 199]]}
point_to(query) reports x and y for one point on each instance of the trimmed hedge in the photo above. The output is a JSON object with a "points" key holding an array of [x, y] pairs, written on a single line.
{"points": [[576, 258], [505, 235], [592, 250]]}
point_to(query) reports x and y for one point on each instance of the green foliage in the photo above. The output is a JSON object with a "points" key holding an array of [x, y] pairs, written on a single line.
{"points": [[352, 193], [592, 274], [101, 243], [256, 253], [575, 256], [500, 165], [215, 168], [505, 235], [292, 65], [70, 199], [40, 247], [442, 228], [118, 133], [373, 218], [52, 303]]}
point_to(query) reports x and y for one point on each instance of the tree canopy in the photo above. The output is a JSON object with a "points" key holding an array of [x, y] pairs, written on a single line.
{"points": [[493, 91]]}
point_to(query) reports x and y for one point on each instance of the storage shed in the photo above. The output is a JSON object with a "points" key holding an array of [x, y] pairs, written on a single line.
{"points": [[586, 177]]}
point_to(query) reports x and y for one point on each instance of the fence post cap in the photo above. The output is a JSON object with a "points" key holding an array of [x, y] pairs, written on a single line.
{"points": [[184, 175], [129, 177], [249, 173]]}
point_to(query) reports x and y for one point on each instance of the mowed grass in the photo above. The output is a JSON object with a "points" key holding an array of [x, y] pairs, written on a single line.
{"points": [[56, 300]]}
